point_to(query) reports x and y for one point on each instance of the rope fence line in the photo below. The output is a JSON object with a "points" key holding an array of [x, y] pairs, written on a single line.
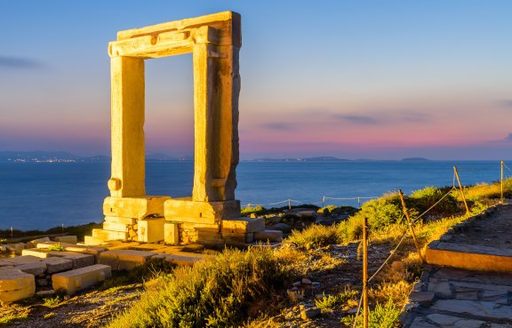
{"points": [[322, 201], [393, 251]]}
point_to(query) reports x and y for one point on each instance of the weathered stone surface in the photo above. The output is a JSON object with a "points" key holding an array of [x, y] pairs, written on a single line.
{"points": [[57, 264], [243, 225], [124, 259], [187, 210], [171, 233], [78, 279], [71, 239], [475, 308], [107, 235], [442, 289], [35, 268], [150, 230], [15, 285], [113, 226], [184, 258], [79, 260], [138, 207], [37, 252], [452, 321], [471, 257], [269, 235]]}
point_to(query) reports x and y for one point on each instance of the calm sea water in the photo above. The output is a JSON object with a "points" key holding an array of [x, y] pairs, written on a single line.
{"points": [[43, 195]]}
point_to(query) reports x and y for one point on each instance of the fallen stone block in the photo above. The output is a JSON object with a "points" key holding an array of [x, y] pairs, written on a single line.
{"points": [[150, 230], [35, 268], [269, 235], [57, 264], [243, 225], [15, 285], [15, 248], [34, 242], [37, 252], [79, 260], [121, 220], [71, 239], [79, 279], [124, 259], [24, 259], [184, 258]]}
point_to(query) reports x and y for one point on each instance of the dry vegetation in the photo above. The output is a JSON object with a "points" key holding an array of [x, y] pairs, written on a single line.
{"points": [[249, 288]]}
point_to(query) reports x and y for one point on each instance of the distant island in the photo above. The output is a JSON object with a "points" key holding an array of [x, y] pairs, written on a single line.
{"points": [[415, 159], [65, 157]]}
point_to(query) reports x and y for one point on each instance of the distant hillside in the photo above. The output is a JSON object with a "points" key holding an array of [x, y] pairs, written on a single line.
{"points": [[415, 159], [306, 159], [65, 157]]}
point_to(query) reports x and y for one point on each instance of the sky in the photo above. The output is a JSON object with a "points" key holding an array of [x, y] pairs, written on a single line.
{"points": [[352, 79]]}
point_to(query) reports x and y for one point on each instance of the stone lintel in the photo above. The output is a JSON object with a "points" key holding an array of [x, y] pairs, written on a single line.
{"points": [[227, 22]]}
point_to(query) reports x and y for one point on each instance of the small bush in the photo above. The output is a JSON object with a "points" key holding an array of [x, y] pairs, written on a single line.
{"points": [[257, 209], [381, 212], [423, 199], [315, 236], [382, 316], [328, 303], [214, 293]]}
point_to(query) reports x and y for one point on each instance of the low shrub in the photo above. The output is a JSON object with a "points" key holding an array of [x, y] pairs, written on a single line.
{"points": [[314, 236], [381, 212], [248, 210], [214, 293], [382, 316], [422, 199]]}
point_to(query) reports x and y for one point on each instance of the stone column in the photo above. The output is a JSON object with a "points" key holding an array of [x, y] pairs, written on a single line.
{"points": [[127, 127]]}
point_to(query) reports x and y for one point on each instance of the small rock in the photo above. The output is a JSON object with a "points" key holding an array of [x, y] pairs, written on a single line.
{"points": [[315, 284], [282, 227], [306, 281], [297, 284], [309, 313]]}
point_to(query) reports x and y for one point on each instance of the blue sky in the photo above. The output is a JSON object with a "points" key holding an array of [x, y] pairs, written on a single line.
{"points": [[372, 79]]}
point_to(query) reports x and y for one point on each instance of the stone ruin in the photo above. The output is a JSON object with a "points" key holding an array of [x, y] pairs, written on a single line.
{"points": [[211, 215]]}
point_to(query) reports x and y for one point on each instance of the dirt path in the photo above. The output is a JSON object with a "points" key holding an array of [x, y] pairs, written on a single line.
{"points": [[90, 309]]}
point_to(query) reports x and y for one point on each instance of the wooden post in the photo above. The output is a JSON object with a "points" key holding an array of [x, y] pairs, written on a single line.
{"points": [[410, 224], [461, 189], [289, 204], [502, 165], [365, 273]]}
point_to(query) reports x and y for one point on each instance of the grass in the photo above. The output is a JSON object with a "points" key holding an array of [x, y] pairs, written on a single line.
{"points": [[52, 302], [10, 318], [218, 292], [236, 287]]}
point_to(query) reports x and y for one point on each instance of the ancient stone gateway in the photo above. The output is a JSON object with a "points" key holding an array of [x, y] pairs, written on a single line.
{"points": [[211, 214]]}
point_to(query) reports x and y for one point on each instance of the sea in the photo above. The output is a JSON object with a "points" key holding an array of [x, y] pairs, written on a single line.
{"points": [[45, 195]]}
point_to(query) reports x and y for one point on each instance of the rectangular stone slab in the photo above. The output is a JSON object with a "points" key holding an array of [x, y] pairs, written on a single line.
{"points": [[243, 225], [136, 207], [58, 264], [78, 279], [469, 257], [269, 235], [15, 279], [124, 259], [79, 260], [150, 230]]}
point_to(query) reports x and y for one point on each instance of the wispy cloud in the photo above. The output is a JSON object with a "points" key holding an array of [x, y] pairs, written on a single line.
{"points": [[384, 117], [11, 62], [278, 126], [358, 119], [506, 103]]}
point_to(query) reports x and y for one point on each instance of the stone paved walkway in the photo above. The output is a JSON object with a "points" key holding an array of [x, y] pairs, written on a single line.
{"points": [[456, 296]]}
